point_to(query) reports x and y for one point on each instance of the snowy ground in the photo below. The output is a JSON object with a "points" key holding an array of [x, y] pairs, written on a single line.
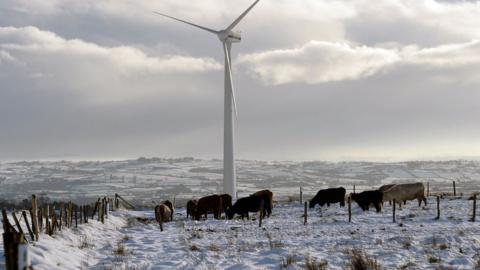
{"points": [[416, 241]]}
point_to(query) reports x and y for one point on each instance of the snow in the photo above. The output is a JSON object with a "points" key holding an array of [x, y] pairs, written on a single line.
{"points": [[237, 244]]}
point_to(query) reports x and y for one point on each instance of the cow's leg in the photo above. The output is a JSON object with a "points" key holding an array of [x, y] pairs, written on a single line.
{"points": [[378, 207], [248, 216], [404, 202], [419, 201], [425, 200], [328, 204], [342, 203], [389, 202]]}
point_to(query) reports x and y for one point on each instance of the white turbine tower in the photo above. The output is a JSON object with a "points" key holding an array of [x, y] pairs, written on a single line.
{"points": [[227, 37]]}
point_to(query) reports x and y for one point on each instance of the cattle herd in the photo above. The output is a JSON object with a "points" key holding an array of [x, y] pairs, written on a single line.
{"points": [[218, 204]]}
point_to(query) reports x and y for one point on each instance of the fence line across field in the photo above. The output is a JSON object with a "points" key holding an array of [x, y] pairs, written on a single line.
{"points": [[52, 218]]}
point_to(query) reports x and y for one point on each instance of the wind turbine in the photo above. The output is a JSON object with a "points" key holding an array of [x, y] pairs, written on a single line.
{"points": [[227, 37]]}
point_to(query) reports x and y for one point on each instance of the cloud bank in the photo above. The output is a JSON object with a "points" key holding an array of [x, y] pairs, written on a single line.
{"points": [[323, 79]]}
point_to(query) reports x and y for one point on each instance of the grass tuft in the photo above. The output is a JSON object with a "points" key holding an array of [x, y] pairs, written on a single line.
{"points": [[194, 247], [433, 259], [85, 242], [312, 264], [120, 250], [287, 261], [359, 260]]}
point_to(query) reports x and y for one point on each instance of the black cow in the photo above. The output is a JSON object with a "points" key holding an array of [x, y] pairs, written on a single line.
{"points": [[226, 202], [366, 198], [328, 196], [244, 205]]}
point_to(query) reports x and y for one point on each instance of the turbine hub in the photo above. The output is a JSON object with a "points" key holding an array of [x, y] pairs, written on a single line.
{"points": [[230, 36]]}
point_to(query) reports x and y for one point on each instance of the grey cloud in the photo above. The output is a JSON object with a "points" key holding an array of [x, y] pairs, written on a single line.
{"points": [[64, 104]]}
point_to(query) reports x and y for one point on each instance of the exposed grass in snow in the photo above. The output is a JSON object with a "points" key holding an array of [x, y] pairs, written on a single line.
{"points": [[360, 260], [312, 264]]}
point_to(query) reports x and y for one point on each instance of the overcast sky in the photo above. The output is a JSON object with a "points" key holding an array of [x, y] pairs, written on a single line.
{"points": [[314, 79]]}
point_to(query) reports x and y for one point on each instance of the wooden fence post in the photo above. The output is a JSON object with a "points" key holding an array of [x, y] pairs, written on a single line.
{"points": [[33, 215], [438, 207], [70, 221], [40, 219], [301, 195], [32, 235], [116, 201], [106, 207], [393, 209], [11, 241], [61, 217], [15, 219], [85, 216], [65, 217], [428, 189], [76, 216], [102, 216], [454, 190], [15, 246], [474, 214], [80, 214], [305, 214], [23, 260], [47, 220], [349, 200], [54, 223]]}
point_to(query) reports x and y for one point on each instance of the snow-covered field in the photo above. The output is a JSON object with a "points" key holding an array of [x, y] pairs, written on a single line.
{"points": [[416, 241]]}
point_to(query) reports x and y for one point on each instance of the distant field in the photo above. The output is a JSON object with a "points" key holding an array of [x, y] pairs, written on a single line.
{"points": [[144, 180]]}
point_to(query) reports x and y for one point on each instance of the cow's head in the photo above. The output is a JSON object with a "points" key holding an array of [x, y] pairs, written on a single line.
{"points": [[229, 212]]}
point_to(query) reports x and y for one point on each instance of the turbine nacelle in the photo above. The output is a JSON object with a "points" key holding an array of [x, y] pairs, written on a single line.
{"points": [[230, 36]]}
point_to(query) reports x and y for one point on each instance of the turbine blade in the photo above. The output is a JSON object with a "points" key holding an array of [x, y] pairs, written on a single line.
{"points": [[229, 68], [240, 17], [189, 23]]}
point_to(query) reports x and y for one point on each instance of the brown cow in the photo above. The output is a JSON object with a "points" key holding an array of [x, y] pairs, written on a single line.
{"points": [[163, 213], [267, 197], [212, 203], [170, 205], [191, 208]]}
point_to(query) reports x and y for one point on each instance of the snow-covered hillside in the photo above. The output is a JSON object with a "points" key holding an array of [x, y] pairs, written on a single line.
{"points": [[132, 240], [144, 180]]}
